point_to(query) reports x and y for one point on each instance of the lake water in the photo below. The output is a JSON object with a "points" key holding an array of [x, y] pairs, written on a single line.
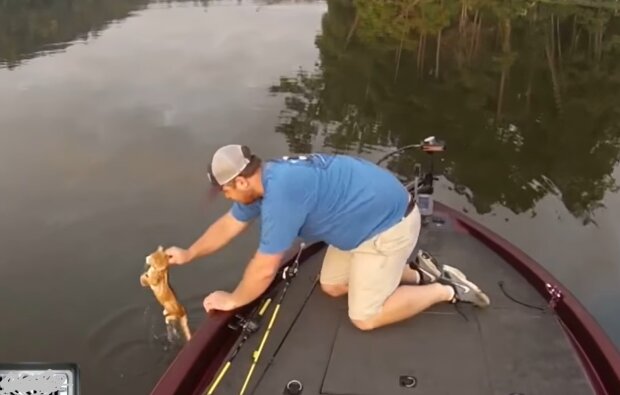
{"points": [[110, 111]]}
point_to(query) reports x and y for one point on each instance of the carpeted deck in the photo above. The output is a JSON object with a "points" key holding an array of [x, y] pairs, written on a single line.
{"points": [[508, 348]]}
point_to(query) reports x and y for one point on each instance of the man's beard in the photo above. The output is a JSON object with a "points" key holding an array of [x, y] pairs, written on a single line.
{"points": [[250, 197]]}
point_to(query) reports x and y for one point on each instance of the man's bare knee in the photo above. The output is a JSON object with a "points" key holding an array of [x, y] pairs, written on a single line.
{"points": [[335, 290]]}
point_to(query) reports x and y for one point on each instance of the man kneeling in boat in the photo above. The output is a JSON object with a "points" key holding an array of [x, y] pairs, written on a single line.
{"points": [[362, 211]]}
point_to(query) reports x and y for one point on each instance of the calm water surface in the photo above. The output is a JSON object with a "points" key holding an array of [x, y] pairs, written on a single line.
{"points": [[110, 110]]}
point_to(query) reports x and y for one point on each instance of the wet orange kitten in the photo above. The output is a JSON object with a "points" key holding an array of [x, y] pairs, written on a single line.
{"points": [[156, 277]]}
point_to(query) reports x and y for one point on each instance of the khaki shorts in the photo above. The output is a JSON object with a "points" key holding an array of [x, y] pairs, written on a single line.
{"points": [[374, 269]]}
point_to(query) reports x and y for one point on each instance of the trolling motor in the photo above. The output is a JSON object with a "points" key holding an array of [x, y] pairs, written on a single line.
{"points": [[422, 183]]}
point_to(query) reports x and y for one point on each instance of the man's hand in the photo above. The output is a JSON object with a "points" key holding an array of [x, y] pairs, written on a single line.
{"points": [[178, 256], [219, 300]]}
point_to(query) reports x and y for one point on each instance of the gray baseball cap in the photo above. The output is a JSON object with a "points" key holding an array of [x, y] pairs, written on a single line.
{"points": [[229, 162]]}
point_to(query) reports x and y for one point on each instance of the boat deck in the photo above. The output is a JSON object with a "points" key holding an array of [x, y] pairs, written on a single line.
{"points": [[515, 346]]}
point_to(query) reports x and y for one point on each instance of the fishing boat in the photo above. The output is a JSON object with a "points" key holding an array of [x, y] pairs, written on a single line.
{"points": [[534, 338]]}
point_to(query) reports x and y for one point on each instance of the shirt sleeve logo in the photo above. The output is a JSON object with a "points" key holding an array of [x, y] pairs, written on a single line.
{"points": [[318, 160]]}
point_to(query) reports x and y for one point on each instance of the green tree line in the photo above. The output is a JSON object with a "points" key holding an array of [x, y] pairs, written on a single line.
{"points": [[526, 93]]}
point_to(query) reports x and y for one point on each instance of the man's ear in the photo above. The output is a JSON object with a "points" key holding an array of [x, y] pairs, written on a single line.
{"points": [[242, 183]]}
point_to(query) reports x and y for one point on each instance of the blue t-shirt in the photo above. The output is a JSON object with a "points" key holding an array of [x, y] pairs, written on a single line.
{"points": [[338, 199]]}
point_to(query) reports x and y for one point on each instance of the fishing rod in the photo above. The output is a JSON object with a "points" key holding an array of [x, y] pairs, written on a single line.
{"points": [[288, 274], [250, 324]]}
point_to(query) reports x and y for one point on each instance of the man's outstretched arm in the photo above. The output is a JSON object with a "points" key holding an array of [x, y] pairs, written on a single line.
{"points": [[283, 215], [218, 235], [259, 273]]}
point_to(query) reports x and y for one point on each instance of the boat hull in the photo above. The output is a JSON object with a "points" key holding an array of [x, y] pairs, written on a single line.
{"points": [[197, 363]]}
